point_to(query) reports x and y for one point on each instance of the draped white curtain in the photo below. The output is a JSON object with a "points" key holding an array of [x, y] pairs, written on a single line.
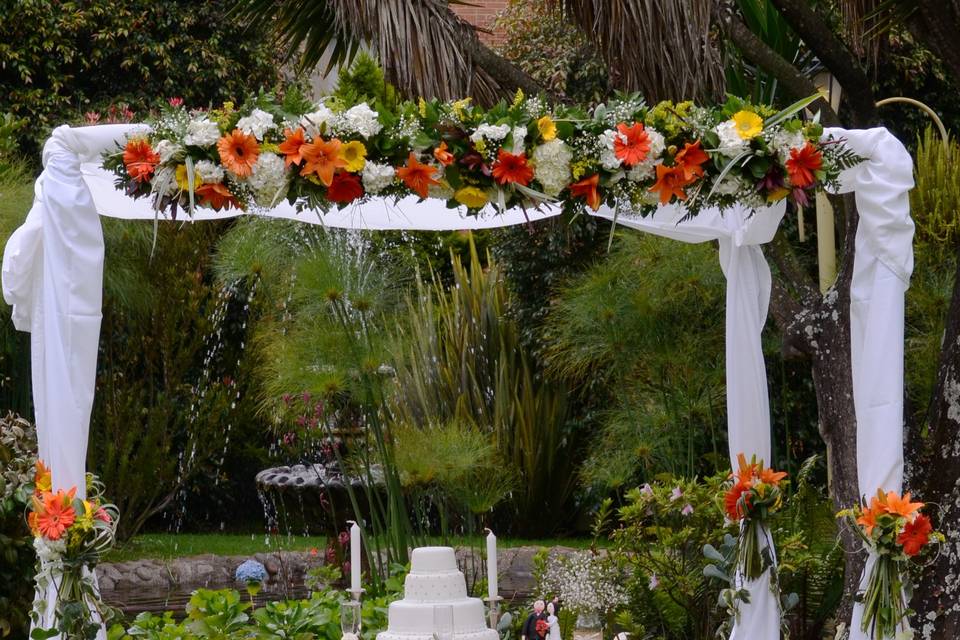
{"points": [[53, 272]]}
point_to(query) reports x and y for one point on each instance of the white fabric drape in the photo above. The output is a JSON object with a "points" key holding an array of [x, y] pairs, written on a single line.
{"points": [[882, 266], [53, 269], [740, 232]]}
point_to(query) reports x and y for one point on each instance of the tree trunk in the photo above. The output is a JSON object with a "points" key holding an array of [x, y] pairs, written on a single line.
{"points": [[937, 596]]}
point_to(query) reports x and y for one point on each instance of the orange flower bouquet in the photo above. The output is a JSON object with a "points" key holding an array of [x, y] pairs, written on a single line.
{"points": [[752, 498], [893, 528], [71, 534]]}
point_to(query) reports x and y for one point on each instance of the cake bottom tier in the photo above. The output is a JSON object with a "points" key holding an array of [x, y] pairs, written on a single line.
{"points": [[406, 617]]}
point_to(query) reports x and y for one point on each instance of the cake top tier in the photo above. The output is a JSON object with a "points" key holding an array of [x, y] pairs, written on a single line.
{"points": [[433, 560]]}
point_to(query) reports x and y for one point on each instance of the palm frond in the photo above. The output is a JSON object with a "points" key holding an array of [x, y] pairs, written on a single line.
{"points": [[424, 48], [662, 48]]}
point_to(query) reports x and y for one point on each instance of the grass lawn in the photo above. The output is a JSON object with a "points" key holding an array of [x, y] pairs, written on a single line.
{"points": [[171, 545], [16, 197]]}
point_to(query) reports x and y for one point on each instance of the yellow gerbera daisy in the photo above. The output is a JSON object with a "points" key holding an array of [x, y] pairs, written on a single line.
{"points": [[749, 124], [471, 197], [182, 180], [354, 154], [547, 127]]}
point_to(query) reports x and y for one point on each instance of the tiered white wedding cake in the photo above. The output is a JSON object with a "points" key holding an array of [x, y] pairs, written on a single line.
{"points": [[435, 580]]}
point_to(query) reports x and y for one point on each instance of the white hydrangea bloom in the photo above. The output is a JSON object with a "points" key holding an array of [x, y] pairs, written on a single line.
{"points": [[268, 181], [168, 150], [257, 124], [313, 121], [731, 185], [377, 177], [361, 120], [209, 172], [731, 144], [784, 141], [519, 133], [202, 133], [551, 166], [494, 132], [608, 158], [657, 143]]}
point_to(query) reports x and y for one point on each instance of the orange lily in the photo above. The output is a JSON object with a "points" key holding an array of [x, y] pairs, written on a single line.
{"points": [[588, 190], [670, 182], [293, 140], [443, 156], [769, 476], [902, 506], [417, 176], [322, 157], [689, 160]]}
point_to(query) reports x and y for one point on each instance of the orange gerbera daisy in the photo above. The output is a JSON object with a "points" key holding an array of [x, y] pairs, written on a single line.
{"points": [[238, 152], [512, 167], [344, 188], [689, 160], [588, 190], [216, 195], [322, 157], [443, 156], [802, 164], [290, 147], [417, 176], [140, 159], [57, 513], [635, 148], [915, 535], [901, 506], [731, 500], [670, 182]]}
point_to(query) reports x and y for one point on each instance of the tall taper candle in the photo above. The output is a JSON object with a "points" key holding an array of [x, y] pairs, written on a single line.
{"points": [[492, 587], [354, 557]]}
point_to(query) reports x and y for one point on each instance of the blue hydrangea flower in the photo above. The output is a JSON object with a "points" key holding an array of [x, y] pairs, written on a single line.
{"points": [[251, 571]]}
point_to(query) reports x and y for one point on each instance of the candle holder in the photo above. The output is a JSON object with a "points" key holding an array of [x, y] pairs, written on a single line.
{"points": [[493, 610], [355, 596]]}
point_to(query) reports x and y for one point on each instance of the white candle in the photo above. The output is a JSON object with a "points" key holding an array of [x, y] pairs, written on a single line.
{"points": [[355, 557], [492, 589]]}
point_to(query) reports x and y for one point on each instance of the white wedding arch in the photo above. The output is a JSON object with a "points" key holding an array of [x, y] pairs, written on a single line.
{"points": [[53, 279]]}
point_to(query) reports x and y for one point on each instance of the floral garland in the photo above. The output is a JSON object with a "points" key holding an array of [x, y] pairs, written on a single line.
{"points": [[895, 531], [71, 535], [319, 155]]}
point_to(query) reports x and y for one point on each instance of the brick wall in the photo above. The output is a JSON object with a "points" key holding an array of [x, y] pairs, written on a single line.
{"points": [[482, 16]]}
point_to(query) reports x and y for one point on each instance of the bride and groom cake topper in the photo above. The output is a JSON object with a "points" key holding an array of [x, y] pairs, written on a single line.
{"points": [[542, 623]]}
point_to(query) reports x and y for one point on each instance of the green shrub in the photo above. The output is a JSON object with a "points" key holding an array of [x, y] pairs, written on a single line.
{"points": [[62, 59], [18, 457]]}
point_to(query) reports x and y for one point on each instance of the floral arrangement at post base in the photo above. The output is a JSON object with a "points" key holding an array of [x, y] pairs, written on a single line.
{"points": [[524, 153], [893, 529], [753, 495], [71, 535]]}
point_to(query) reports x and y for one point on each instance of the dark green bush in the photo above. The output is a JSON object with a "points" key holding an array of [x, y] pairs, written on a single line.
{"points": [[18, 456], [62, 59]]}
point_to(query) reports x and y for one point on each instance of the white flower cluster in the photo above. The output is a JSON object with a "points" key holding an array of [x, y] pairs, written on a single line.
{"points": [[257, 124], [731, 144], [551, 162], [584, 582], [312, 122], [202, 132], [268, 181], [209, 172], [408, 127], [535, 107], [495, 132], [168, 150], [377, 177], [519, 133], [358, 120], [783, 141], [608, 158]]}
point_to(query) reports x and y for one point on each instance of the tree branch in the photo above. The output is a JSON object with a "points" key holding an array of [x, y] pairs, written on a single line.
{"points": [[795, 83], [835, 55]]}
